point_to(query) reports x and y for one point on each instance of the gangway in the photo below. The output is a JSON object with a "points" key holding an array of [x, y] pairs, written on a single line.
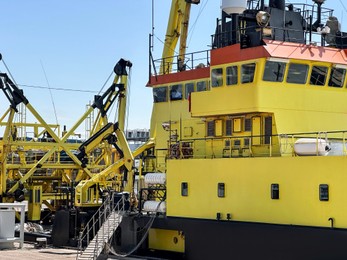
{"points": [[100, 228]]}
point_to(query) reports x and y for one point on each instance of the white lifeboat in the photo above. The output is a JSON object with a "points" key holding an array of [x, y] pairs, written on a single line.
{"points": [[311, 147]]}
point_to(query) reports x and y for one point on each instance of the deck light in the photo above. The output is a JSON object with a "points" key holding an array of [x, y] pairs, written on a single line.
{"points": [[263, 18]]}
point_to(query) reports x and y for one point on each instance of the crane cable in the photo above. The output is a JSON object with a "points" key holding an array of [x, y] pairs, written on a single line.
{"points": [[128, 99], [191, 31], [14, 81], [50, 92], [107, 80]]}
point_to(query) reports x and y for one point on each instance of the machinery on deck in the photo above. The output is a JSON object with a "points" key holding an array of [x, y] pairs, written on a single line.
{"points": [[44, 166]]}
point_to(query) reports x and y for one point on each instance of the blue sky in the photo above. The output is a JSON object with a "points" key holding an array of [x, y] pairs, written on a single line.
{"points": [[77, 43]]}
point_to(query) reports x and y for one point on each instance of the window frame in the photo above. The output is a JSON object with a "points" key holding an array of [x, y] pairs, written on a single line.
{"points": [[166, 94], [325, 77], [332, 70], [283, 71], [217, 76], [186, 93], [230, 77], [179, 87], [291, 78], [200, 82], [243, 74]]}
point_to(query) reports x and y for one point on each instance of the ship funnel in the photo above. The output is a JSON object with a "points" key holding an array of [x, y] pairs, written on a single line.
{"points": [[234, 6]]}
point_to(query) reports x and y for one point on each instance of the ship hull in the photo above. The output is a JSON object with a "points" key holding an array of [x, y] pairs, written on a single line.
{"points": [[212, 239]]}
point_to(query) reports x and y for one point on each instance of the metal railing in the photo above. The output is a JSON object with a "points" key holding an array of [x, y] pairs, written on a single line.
{"points": [[259, 145], [96, 224], [192, 61]]}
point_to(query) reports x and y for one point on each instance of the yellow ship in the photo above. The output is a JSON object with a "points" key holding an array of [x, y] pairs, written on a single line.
{"points": [[247, 152], [253, 145]]}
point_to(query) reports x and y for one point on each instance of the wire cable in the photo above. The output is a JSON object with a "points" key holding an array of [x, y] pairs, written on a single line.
{"points": [[60, 89], [191, 31], [107, 80], [50, 92], [147, 226], [8, 70]]}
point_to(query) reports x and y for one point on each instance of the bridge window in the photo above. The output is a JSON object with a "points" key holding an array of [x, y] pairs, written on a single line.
{"points": [[337, 77], [176, 92], [228, 127], [274, 71], [189, 88], [232, 77], [318, 75], [201, 86], [248, 125], [297, 73], [211, 128], [217, 77], [160, 94], [247, 71]]}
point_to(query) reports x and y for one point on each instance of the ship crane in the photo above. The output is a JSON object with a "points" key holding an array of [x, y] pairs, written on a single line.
{"points": [[177, 28]]}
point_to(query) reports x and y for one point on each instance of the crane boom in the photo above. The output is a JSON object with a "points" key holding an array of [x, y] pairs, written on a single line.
{"points": [[177, 28]]}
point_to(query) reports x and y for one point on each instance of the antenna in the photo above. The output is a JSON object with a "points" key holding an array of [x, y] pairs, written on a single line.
{"points": [[152, 40]]}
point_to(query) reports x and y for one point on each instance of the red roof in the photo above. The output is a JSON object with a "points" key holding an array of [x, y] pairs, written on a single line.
{"points": [[286, 50]]}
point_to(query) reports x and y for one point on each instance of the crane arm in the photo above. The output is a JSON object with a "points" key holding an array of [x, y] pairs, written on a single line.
{"points": [[177, 28]]}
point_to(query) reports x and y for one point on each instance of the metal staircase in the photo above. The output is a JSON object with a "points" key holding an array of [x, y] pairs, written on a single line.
{"points": [[100, 228]]}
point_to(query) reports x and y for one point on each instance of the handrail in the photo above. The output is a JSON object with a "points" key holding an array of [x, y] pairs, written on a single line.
{"points": [[93, 226], [193, 60], [270, 145]]}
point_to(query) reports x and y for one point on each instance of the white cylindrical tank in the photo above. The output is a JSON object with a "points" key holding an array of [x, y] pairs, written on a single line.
{"points": [[153, 206], [234, 6], [155, 178], [7, 224], [311, 146]]}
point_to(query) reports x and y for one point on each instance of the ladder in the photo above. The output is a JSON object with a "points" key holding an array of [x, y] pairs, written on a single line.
{"points": [[100, 228]]}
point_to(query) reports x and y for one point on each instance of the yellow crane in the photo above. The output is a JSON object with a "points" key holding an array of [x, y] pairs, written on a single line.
{"points": [[177, 28]]}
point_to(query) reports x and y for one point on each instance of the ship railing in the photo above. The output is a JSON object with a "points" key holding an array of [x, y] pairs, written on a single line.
{"points": [[331, 143], [27, 155], [310, 12], [306, 10], [115, 202], [306, 36], [309, 35], [174, 64]]}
